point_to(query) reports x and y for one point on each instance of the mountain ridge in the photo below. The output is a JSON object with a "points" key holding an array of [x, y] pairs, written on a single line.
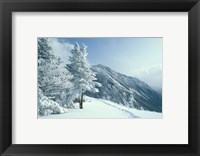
{"points": [[125, 90]]}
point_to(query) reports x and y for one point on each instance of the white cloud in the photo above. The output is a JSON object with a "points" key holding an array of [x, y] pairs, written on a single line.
{"points": [[152, 75], [61, 49]]}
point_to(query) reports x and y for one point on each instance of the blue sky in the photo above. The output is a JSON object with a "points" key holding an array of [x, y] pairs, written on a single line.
{"points": [[130, 56], [124, 52]]}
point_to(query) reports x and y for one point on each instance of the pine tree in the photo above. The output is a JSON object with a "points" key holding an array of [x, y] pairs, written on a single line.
{"points": [[44, 49], [53, 77], [83, 77]]}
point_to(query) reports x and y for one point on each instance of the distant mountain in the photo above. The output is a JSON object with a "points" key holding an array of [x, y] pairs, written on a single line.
{"points": [[125, 90]]}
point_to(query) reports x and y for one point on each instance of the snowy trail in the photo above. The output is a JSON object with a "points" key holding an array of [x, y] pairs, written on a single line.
{"points": [[131, 114], [94, 109]]}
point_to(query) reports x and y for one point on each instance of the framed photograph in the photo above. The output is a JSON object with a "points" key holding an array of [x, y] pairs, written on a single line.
{"points": [[77, 81], [99, 77]]}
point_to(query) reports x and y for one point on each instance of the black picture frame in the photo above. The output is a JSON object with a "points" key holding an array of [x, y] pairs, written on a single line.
{"points": [[9, 6]]}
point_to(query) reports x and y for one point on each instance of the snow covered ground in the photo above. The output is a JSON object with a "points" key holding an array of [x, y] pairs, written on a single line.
{"points": [[98, 109]]}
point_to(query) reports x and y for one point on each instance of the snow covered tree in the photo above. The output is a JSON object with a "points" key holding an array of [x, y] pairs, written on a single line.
{"points": [[44, 49], [44, 56], [53, 77], [83, 77], [47, 106]]}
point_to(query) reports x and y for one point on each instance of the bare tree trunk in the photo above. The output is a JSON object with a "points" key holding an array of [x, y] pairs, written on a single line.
{"points": [[81, 101]]}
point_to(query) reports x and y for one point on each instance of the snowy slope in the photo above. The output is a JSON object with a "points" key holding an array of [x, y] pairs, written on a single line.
{"points": [[129, 91], [103, 109], [138, 113]]}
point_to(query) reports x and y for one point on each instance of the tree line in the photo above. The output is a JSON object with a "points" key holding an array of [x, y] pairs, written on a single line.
{"points": [[63, 83]]}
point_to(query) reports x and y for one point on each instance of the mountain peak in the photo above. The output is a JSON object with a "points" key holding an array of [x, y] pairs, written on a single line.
{"points": [[100, 66]]}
